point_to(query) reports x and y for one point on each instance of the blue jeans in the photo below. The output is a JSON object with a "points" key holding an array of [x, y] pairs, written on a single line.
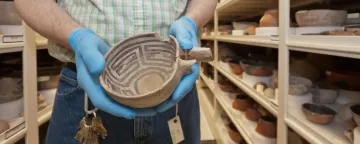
{"points": [[69, 110]]}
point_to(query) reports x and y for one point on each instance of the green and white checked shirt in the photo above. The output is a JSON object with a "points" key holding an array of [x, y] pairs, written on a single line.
{"points": [[115, 20]]}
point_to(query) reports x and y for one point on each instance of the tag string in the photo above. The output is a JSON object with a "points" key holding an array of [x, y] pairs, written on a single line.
{"points": [[177, 107], [86, 106]]}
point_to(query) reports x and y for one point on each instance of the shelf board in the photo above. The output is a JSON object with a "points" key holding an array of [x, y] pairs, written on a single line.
{"points": [[208, 37], [264, 41], [41, 43], [249, 90], [225, 106], [344, 46], [16, 133], [315, 133]]}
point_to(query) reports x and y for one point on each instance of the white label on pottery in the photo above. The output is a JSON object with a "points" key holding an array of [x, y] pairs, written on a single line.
{"points": [[176, 131]]}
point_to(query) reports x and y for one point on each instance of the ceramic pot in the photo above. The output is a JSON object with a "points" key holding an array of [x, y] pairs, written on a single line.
{"points": [[143, 70], [235, 67], [267, 127], [321, 17], [4, 126], [252, 114], [242, 25], [227, 86], [344, 79], [325, 94], [260, 86], [242, 102], [234, 133], [298, 89], [345, 114], [262, 71], [270, 19], [355, 109], [319, 114], [251, 30]]}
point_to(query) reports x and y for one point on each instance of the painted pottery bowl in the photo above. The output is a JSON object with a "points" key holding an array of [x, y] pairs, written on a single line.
{"points": [[234, 133], [319, 114], [236, 67], [321, 17], [252, 114], [242, 102], [355, 109], [267, 126], [325, 93], [143, 70], [345, 114]]}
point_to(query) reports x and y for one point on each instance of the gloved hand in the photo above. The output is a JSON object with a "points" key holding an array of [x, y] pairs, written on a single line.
{"points": [[184, 30], [89, 56]]}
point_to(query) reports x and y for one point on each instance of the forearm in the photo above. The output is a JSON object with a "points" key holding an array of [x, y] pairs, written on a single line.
{"points": [[201, 11], [47, 18]]}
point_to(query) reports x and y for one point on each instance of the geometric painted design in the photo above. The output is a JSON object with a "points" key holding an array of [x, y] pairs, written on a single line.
{"points": [[139, 65]]}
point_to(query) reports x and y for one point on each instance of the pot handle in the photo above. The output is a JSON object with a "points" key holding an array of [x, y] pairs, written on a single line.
{"points": [[185, 65], [200, 54]]}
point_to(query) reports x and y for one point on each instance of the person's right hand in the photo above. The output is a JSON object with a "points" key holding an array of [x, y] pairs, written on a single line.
{"points": [[89, 56]]}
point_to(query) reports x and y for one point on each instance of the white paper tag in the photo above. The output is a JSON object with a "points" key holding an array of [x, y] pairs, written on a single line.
{"points": [[176, 131]]}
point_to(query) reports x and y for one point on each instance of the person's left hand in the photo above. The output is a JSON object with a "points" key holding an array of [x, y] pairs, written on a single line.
{"points": [[184, 30]]}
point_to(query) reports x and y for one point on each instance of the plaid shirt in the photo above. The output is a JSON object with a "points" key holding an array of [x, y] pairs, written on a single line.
{"points": [[114, 20]]}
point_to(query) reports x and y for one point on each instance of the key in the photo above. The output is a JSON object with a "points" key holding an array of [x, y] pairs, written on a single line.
{"points": [[98, 127], [86, 134]]}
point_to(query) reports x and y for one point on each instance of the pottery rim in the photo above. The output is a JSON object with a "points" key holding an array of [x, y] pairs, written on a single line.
{"points": [[176, 65]]}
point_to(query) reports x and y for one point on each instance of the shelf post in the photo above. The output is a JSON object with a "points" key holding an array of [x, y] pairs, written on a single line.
{"points": [[216, 54], [283, 72], [30, 85]]}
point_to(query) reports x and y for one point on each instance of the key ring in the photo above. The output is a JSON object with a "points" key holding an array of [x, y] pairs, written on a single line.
{"points": [[86, 106]]}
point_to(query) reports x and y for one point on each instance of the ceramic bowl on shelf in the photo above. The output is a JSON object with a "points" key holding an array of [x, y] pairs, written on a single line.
{"points": [[325, 93], [270, 19], [227, 86], [234, 133], [252, 114], [319, 114], [355, 109], [251, 30], [299, 85], [260, 86], [344, 79], [242, 102], [236, 67], [242, 25], [267, 126], [256, 68], [321, 17]]}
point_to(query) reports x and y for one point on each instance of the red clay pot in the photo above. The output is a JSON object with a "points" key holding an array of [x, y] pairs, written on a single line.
{"points": [[242, 102]]}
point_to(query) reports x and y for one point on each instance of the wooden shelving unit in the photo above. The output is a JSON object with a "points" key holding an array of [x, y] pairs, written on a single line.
{"points": [[288, 116]]}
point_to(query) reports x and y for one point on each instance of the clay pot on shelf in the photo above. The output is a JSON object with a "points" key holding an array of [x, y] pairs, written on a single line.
{"points": [[319, 114], [299, 85], [242, 102], [242, 25], [321, 17], [355, 109], [260, 86], [261, 71], [4, 125], [270, 19], [234, 133], [304, 69], [325, 93], [252, 114], [235, 67], [344, 79], [227, 86], [251, 30], [267, 126]]}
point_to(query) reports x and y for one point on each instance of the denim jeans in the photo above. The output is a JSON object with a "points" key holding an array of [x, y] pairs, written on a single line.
{"points": [[69, 110]]}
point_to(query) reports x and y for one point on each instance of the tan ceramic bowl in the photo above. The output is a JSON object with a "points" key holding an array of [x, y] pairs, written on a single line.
{"points": [[321, 17], [143, 70]]}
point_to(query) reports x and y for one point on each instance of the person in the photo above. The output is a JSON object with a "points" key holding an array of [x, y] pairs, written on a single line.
{"points": [[80, 32]]}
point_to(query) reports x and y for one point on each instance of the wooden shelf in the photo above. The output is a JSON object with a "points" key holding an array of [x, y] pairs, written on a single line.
{"points": [[41, 43], [264, 41]]}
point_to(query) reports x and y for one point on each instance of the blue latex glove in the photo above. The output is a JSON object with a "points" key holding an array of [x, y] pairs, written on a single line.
{"points": [[184, 30], [89, 54]]}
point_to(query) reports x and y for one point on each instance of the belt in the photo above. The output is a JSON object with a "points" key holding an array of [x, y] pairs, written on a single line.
{"points": [[71, 66]]}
